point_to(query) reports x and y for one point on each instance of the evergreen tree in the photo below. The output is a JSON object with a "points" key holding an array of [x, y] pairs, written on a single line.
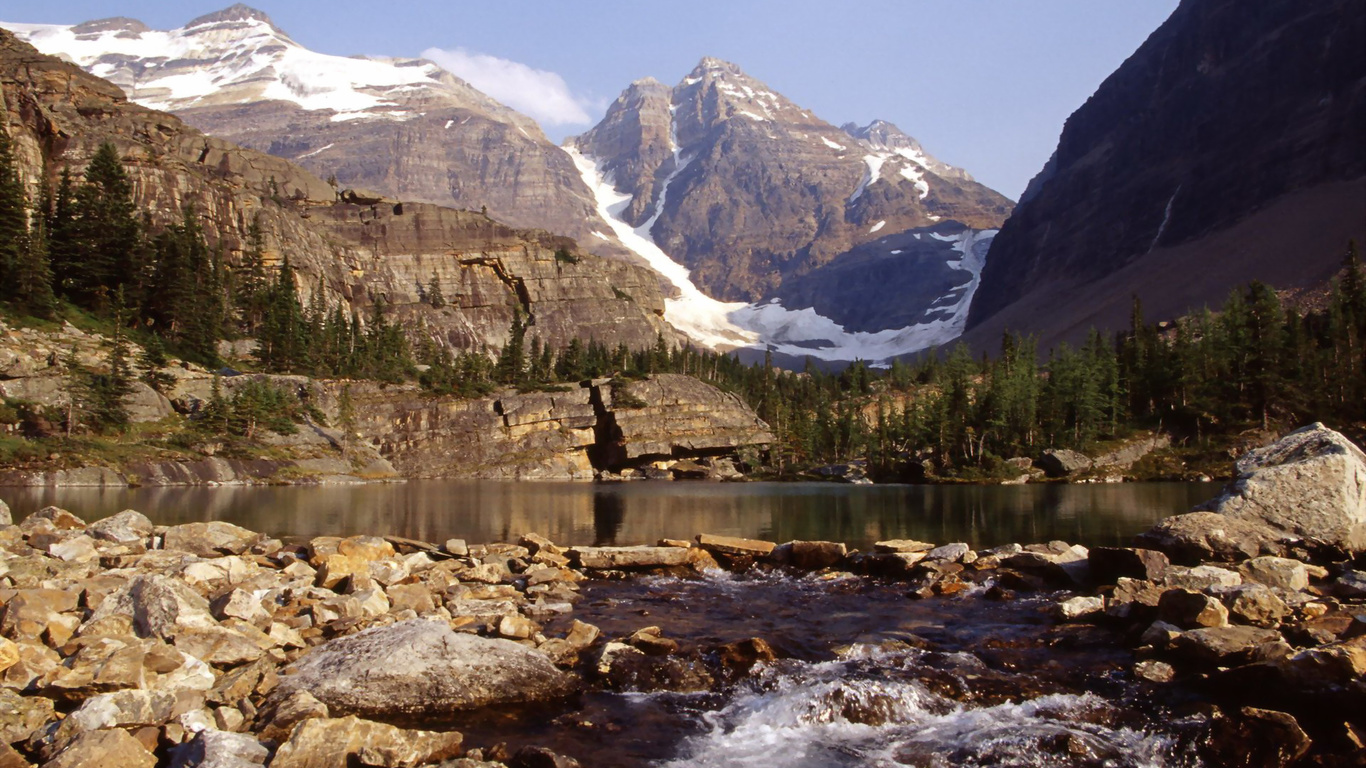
{"points": [[32, 275], [107, 234], [13, 215], [434, 295], [512, 360]]}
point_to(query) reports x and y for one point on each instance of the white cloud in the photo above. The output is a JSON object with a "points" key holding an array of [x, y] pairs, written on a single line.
{"points": [[537, 93]]}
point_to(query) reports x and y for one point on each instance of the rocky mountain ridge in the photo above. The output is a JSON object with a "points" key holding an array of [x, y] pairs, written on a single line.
{"points": [[403, 127], [356, 251], [1227, 149], [748, 188]]}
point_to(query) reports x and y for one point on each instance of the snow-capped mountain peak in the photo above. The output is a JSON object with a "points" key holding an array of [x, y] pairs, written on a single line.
{"points": [[239, 56], [885, 140]]}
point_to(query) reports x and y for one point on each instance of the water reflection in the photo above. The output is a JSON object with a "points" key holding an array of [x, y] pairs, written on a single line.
{"points": [[576, 513]]}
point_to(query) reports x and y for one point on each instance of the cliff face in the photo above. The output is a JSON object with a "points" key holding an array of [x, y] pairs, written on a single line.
{"points": [[58, 115], [566, 435], [404, 127], [748, 189], [1227, 148]]}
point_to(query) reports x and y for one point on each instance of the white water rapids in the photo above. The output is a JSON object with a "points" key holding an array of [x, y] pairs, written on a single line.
{"points": [[859, 711]]}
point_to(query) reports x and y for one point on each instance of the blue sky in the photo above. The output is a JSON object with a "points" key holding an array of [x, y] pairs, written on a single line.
{"points": [[983, 84]]}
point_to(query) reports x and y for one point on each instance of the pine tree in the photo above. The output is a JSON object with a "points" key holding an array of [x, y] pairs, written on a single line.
{"points": [[107, 233], [434, 295], [32, 275], [13, 215], [512, 360], [59, 214]]}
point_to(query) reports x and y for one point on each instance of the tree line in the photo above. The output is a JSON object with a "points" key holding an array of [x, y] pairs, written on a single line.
{"points": [[1256, 362]]}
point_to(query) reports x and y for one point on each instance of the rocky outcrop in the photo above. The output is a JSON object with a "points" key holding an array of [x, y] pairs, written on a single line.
{"points": [[1227, 141], [354, 253], [566, 435], [1308, 489]]}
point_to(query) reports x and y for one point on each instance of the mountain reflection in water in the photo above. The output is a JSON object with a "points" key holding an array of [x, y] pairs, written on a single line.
{"points": [[641, 513]]}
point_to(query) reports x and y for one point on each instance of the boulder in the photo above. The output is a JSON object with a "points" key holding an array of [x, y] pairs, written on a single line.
{"points": [[6, 518], [895, 546], [1260, 738], [20, 716], [1254, 604], [1277, 572], [1225, 646], [103, 749], [1310, 484], [210, 539], [421, 667], [1063, 463], [348, 741], [1202, 577], [220, 749], [1077, 608], [949, 552], [125, 527], [813, 555], [159, 605], [1197, 537], [1109, 564], [1189, 610]]}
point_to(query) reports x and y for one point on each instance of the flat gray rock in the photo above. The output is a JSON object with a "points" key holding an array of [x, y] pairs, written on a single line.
{"points": [[422, 667]]}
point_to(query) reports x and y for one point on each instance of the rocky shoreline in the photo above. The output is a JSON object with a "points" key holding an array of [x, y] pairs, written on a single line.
{"points": [[205, 644]]}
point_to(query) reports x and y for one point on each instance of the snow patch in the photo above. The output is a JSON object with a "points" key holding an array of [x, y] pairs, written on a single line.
{"points": [[316, 152], [878, 226], [832, 144]]}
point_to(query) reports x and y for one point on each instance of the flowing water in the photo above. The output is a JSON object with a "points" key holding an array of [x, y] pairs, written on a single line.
{"points": [[865, 675], [641, 513]]}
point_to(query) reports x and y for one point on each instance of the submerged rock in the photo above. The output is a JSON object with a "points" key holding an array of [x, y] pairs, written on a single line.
{"points": [[421, 667]]}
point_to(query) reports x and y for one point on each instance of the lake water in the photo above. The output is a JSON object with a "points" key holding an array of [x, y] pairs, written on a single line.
{"points": [[641, 513]]}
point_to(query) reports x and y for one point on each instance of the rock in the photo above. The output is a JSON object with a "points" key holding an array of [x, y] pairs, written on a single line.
{"points": [[366, 548], [813, 555], [1133, 599], [60, 519], [540, 757], [611, 558], [12, 759], [348, 741], [422, 667], [1225, 646], [219, 749], [1188, 610], [1277, 572], [730, 545], [291, 710], [1077, 608], [159, 605], [1154, 671], [1327, 668], [949, 552], [5, 517], [1260, 738], [20, 716], [1310, 484], [516, 627], [31, 613], [1063, 463], [1254, 604], [902, 545], [456, 547], [1109, 564], [210, 539], [9, 653], [103, 749], [1351, 583], [1197, 537], [125, 527], [219, 646], [123, 709], [1202, 577], [77, 549]]}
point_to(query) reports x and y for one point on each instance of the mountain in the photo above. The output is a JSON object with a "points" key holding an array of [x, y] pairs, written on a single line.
{"points": [[1230, 147], [780, 230], [750, 189], [353, 252], [403, 127]]}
